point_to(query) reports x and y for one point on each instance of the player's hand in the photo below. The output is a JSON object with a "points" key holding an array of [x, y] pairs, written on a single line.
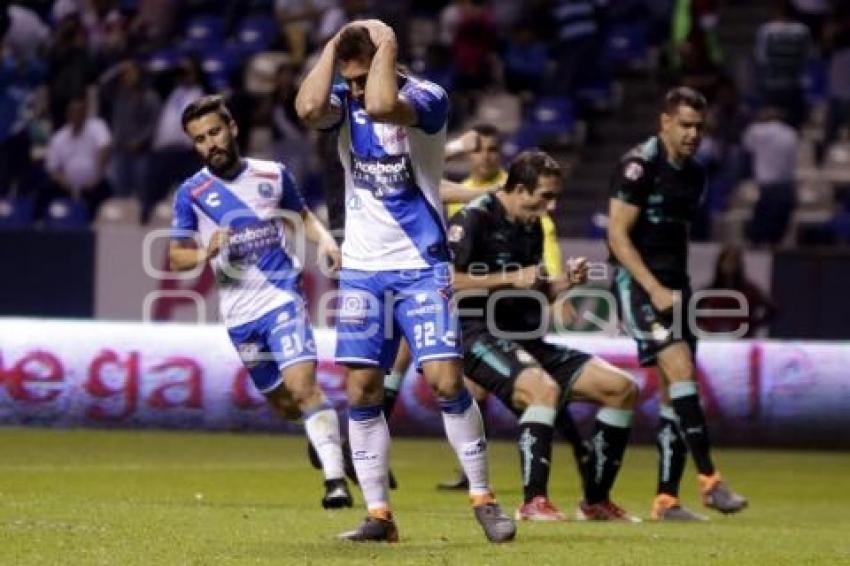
{"points": [[379, 32], [329, 255], [469, 142], [218, 241], [577, 270], [565, 315], [526, 278], [663, 298]]}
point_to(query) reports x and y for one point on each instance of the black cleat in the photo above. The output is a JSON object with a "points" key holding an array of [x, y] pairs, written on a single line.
{"points": [[373, 529], [460, 483], [497, 526], [337, 495]]}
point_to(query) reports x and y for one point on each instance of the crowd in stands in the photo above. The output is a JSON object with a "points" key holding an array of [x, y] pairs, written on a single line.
{"points": [[91, 91]]}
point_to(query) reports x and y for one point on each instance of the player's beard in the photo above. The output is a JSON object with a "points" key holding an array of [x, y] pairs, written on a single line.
{"points": [[222, 162]]}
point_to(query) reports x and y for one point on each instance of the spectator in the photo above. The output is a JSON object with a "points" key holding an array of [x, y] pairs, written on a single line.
{"points": [[812, 13], [838, 48], [106, 29], [173, 157], [291, 144], [25, 36], [472, 30], [154, 22], [135, 108], [782, 51], [773, 146], [19, 79], [729, 275], [334, 18], [71, 68], [695, 24], [578, 40], [526, 59], [296, 18], [77, 157]]}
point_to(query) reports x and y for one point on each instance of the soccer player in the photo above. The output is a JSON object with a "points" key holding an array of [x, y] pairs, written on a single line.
{"points": [[504, 299], [396, 273], [233, 207], [655, 194]]}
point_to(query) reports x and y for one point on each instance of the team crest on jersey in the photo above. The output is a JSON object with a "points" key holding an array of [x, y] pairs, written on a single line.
{"points": [[354, 307], [266, 190], [455, 233], [634, 171]]}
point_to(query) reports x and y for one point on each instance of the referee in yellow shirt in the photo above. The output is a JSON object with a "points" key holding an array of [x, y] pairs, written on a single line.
{"points": [[482, 146]]}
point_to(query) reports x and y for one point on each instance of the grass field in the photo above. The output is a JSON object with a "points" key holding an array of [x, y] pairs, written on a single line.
{"points": [[117, 497]]}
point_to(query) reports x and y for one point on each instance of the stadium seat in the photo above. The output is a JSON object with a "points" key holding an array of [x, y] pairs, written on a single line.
{"points": [[501, 110], [816, 81], [261, 71], [163, 60], [66, 214], [219, 65], [524, 138], [626, 45], [203, 32], [552, 120], [119, 210], [15, 213], [162, 214], [255, 34]]}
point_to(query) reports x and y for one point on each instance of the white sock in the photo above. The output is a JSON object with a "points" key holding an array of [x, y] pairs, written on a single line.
{"points": [[322, 427], [465, 431], [369, 437]]}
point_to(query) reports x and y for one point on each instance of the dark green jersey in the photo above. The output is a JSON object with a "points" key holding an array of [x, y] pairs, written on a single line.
{"points": [[668, 197], [484, 241]]}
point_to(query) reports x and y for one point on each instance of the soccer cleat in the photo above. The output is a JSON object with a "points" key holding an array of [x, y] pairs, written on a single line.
{"points": [[604, 511], [497, 526], [539, 509], [337, 495], [667, 508], [373, 529], [460, 483], [716, 494]]}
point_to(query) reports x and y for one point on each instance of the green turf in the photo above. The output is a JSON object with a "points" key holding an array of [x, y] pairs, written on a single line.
{"points": [[116, 497]]}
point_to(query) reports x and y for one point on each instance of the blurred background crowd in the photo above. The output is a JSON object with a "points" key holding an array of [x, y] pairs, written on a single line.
{"points": [[91, 93]]}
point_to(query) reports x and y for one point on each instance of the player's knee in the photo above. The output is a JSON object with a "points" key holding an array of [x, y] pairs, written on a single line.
{"points": [[622, 393], [364, 390], [447, 386], [536, 387]]}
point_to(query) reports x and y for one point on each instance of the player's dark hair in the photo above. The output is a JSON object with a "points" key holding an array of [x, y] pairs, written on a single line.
{"points": [[354, 43], [203, 106], [528, 167], [488, 131], [683, 96]]}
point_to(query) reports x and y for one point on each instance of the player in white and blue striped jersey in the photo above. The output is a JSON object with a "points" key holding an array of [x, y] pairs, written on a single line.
{"points": [[231, 214], [396, 275]]}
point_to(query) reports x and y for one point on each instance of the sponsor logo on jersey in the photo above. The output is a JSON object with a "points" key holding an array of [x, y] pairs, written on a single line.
{"points": [[213, 200], [266, 190], [249, 243], [524, 357], [383, 177], [354, 203], [456, 233]]}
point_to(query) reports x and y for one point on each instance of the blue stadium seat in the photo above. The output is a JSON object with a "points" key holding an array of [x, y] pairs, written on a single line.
{"points": [[203, 32], [15, 213], [517, 142], [816, 81], [552, 118], [255, 34], [626, 44], [163, 60], [66, 214], [219, 65]]}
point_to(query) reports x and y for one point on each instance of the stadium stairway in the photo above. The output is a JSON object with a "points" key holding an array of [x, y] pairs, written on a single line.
{"points": [[634, 118]]}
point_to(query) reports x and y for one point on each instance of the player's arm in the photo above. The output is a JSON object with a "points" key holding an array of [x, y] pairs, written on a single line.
{"points": [[622, 218], [451, 192], [383, 102], [467, 143], [327, 247], [185, 255], [314, 230], [313, 101]]}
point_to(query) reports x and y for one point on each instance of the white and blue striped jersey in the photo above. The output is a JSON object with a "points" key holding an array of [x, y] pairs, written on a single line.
{"points": [[254, 273], [393, 217]]}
